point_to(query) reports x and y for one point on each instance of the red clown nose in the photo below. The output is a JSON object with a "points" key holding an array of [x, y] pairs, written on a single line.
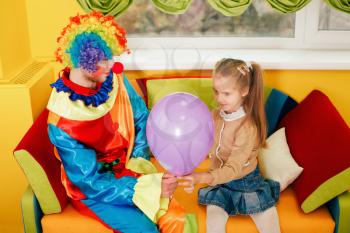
{"points": [[117, 68]]}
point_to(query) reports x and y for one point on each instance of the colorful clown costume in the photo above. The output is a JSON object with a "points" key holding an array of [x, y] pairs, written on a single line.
{"points": [[99, 137]]}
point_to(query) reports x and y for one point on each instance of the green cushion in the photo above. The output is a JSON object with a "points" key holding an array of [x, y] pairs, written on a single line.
{"points": [[200, 87]]}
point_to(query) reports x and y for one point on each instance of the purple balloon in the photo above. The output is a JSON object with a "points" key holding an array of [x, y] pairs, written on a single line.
{"points": [[180, 132]]}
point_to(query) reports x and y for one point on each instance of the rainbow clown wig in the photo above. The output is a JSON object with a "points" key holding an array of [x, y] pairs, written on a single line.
{"points": [[88, 39]]}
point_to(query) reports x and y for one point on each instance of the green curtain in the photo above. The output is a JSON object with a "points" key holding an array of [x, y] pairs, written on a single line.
{"points": [[226, 7], [342, 5], [172, 6], [288, 6], [230, 7], [106, 7]]}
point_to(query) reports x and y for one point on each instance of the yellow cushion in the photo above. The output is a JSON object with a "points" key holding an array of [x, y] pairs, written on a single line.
{"points": [[292, 219]]}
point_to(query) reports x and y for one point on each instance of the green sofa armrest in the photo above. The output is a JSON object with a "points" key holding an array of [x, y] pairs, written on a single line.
{"points": [[31, 212], [339, 208]]}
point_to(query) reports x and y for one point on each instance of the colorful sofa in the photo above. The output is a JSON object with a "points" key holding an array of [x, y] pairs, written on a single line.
{"points": [[45, 207]]}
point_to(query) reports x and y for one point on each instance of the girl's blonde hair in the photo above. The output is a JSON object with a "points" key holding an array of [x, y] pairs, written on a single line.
{"points": [[247, 76]]}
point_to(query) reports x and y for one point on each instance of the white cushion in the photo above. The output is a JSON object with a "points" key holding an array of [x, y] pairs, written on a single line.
{"points": [[276, 162]]}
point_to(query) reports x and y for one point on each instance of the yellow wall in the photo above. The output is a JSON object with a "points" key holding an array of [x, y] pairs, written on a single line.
{"points": [[14, 122], [46, 20], [14, 55], [298, 83], [1, 71], [14, 39]]}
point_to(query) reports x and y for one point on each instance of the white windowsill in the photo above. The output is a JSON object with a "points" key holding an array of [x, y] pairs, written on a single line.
{"points": [[199, 59]]}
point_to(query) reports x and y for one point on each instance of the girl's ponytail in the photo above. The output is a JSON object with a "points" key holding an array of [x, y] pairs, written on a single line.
{"points": [[254, 102]]}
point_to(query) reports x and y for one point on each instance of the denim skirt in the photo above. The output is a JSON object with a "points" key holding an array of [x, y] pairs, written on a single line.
{"points": [[249, 195]]}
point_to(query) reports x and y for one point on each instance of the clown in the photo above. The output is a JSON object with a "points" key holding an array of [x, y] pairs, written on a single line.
{"points": [[97, 124]]}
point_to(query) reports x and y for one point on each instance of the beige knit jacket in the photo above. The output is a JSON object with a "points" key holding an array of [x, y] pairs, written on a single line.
{"points": [[237, 153]]}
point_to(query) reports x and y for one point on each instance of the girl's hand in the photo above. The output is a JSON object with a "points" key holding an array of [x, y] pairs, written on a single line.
{"points": [[188, 182], [169, 184], [195, 178]]}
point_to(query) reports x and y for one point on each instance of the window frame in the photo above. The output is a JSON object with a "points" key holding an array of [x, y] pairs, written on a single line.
{"points": [[322, 38]]}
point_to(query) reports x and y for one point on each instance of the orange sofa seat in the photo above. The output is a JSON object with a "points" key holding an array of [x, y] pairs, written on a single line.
{"points": [[292, 218]]}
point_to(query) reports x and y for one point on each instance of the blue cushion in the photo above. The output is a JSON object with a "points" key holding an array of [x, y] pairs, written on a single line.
{"points": [[277, 105]]}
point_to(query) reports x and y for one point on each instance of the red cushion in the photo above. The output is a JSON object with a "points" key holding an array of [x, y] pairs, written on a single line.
{"points": [[319, 140], [37, 143]]}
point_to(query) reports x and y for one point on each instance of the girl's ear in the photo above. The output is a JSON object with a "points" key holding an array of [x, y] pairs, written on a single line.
{"points": [[245, 92]]}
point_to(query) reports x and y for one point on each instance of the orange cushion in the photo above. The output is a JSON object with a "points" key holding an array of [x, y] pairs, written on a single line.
{"points": [[71, 221], [292, 218]]}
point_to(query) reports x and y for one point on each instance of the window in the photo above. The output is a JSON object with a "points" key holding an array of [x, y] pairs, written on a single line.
{"points": [[316, 26], [259, 20], [333, 20], [326, 27]]}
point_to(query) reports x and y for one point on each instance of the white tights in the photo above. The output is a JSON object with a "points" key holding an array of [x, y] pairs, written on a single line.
{"points": [[266, 222], [216, 219]]}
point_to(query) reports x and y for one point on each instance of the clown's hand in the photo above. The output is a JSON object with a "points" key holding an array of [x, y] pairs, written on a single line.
{"points": [[169, 184]]}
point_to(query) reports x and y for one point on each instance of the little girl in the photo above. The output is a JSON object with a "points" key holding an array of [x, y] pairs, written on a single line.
{"points": [[235, 185]]}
